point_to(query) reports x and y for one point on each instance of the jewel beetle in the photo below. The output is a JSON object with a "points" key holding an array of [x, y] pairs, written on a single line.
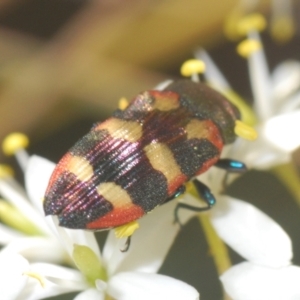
{"points": [[142, 156]]}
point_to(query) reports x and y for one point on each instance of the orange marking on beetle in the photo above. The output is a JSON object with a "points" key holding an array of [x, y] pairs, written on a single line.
{"points": [[130, 131], [60, 168], [204, 129], [117, 217], [208, 164], [77, 165], [175, 183], [165, 100]]}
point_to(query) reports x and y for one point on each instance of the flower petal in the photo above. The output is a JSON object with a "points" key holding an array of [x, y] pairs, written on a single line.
{"points": [[33, 248], [247, 281], [34, 291], [37, 176], [69, 238], [67, 277], [150, 243], [56, 280], [136, 286], [90, 294], [12, 192], [251, 233], [259, 154], [7, 234], [11, 274], [286, 79], [283, 131]]}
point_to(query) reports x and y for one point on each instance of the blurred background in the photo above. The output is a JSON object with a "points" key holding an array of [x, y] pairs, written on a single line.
{"points": [[68, 60], [64, 64]]}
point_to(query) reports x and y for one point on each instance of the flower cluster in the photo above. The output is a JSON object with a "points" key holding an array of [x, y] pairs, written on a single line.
{"points": [[39, 259], [267, 273]]}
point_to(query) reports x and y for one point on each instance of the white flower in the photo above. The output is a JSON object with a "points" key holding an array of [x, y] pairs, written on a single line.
{"points": [[29, 234], [129, 275]]}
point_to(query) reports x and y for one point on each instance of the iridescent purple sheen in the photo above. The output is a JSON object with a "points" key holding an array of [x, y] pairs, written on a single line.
{"points": [[126, 164]]}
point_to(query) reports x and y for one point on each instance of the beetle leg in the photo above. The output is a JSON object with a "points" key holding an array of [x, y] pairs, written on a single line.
{"points": [[230, 166], [180, 191], [204, 192], [126, 245]]}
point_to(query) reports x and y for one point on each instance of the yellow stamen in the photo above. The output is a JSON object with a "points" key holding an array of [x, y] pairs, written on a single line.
{"points": [[123, 103], [36, 276], [244, 131], [189, 187], [6, 171], [126, 230], [247, 47], [289, 176], [217, 248], [251, 22], [14, 142], [191, 67], [283, 29], [247, 114]]}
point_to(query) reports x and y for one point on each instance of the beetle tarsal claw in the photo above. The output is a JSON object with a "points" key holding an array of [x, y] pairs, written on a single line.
{"points": [[244, 131], [126, 245], [126, 230]]}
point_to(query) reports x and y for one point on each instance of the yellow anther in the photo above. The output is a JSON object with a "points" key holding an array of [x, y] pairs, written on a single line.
{"points": [[36, 276], [283, 29], [251, 22], [247, 47], [244, 131], [192, 66], [6, 171], [123, 103], [218, 250], [126, 230], [14, 142]]}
